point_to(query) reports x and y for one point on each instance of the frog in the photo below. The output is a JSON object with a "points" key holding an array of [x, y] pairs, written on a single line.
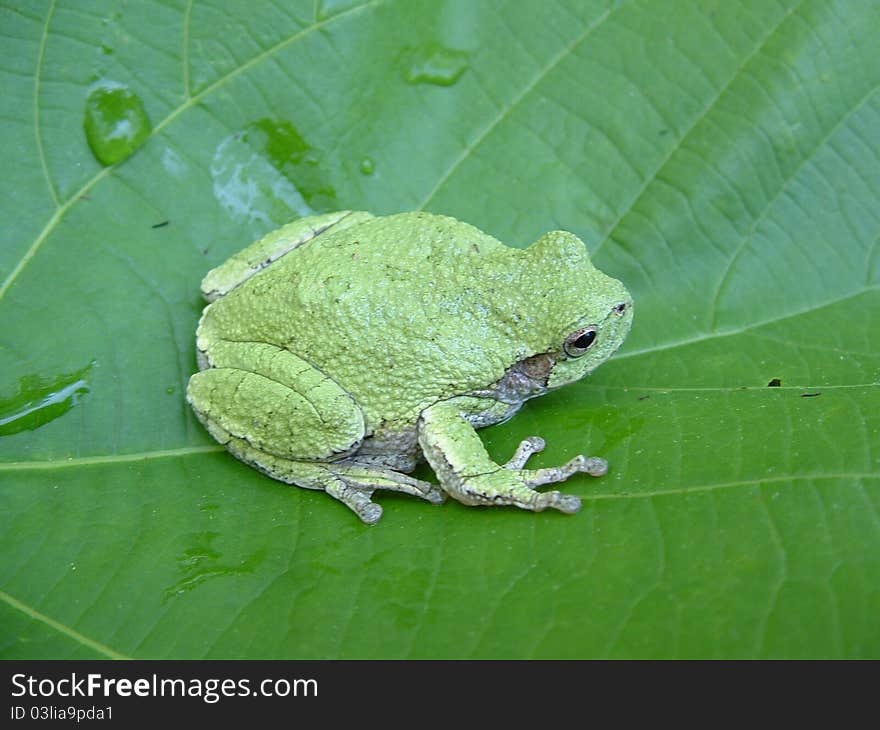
{"points": [[342, 349]]}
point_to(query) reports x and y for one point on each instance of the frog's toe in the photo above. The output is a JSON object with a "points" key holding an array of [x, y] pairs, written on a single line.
{"points": [[527, 447], [593, 465], [370, 513], [356, 499], [435, 496], [567, 503]]}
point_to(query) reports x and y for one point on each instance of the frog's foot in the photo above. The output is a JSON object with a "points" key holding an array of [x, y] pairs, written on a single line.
{"points": [[370, 477], [353, 485], [357, 499], [455, 452], [510, 485], [349, 482], [515, 488], [592, 465]]}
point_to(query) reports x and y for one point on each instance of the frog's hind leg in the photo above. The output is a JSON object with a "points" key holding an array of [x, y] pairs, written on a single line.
{"points": [[350, 483], [309, 475], [246, 263], [375, 477], [353, 485], [357, 499]]}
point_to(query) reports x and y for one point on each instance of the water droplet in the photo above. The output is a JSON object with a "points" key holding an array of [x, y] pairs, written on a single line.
{"points": [[201, 562], [251, 190], [293, 157], [115, 122], [267, 174], [40, 400], [368, 166], [435, 64], [170, 390], [172, 163]]}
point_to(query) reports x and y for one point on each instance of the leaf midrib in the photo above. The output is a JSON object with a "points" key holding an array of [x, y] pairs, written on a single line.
{"points": [[191, 451]]}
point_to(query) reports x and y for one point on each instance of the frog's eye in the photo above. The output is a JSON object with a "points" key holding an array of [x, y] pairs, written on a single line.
{"points": [[578, 342]]}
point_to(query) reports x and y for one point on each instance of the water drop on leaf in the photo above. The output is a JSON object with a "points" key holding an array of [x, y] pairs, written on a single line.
{"points": [[268, 174], [115, 122], [280, 143], [435, 64], [40, 400]]}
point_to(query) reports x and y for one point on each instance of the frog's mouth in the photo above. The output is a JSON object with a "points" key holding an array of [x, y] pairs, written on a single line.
{"points": [[523, 380]]}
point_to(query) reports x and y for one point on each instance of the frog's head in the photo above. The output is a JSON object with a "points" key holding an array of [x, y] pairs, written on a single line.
{"points": [[586, 314]]}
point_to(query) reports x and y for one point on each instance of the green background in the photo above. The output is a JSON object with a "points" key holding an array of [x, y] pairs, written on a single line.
{"points": [[721, 158]]}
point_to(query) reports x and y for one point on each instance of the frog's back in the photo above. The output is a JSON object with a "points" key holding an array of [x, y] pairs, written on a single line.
{"points": [[390, 296], [410, 269], [406, 240]]}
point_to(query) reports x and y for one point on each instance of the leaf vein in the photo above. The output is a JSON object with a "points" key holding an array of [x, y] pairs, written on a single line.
{"points": [[761, 628], [783, 190], [186, 105], [110, 459], [704, 112], [37, 80], [754, 325], [566, 51], [187, 86], [702, 488], [61, 628]]}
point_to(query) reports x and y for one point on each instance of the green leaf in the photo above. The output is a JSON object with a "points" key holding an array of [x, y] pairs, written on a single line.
{"points": [[719, 157]]}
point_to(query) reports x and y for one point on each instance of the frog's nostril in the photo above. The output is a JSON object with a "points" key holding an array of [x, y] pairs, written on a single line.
{"points": [[619, 309]]}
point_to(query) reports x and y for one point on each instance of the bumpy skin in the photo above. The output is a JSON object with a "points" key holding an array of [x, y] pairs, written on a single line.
{"points": [[340, 349]]}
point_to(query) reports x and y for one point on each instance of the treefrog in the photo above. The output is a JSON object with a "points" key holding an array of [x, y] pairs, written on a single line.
{"points": [[339, 350]]}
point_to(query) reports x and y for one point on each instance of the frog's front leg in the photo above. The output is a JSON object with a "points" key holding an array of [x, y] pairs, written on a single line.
{"points": [[458, 457]]}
